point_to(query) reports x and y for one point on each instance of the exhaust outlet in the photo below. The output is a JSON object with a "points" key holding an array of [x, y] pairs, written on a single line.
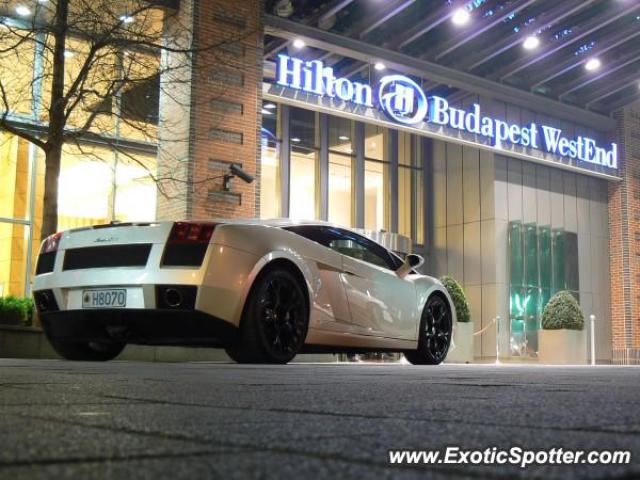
{"points": [[173, 297]]}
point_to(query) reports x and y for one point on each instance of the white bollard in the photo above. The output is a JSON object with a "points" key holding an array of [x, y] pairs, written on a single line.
{"points": [[497, 339], [592, 319]]}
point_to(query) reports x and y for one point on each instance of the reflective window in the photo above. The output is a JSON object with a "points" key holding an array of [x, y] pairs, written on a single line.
{"points": [[341, 172], [410, 187], [377, 196], [270, 162], [374, 142], [303, 188]]}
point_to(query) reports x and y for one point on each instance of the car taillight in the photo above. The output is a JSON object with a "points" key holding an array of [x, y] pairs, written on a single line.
{"points": [[51, 243], [47, 257], [187, 232], [187, 244]]}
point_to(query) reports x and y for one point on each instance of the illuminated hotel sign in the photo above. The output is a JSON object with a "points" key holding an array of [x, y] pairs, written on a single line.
{"points": [[403, 101]]}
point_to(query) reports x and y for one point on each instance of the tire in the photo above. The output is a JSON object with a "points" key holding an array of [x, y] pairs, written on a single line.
{"points": [[436, 326], [275, 320], [89, 352]]}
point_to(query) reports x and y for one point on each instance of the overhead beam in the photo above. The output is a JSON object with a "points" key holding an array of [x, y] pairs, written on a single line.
{"points": [[359, 50], [544, 21], [605, 45], [610, 88], [620, 9], [371, 22], [586, 79], [424, 26], [333, 7], [465, 36]]}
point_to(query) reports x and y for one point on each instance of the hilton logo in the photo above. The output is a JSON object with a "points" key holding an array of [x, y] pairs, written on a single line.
{"points": [[402, 99]]}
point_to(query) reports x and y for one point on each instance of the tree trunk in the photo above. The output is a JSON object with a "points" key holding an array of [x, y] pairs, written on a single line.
{"points": [[50, 208], [55, 133]]}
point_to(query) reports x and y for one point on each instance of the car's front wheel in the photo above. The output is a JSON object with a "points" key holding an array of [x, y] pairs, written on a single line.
{"points": [[436, 327], [275, 320], [87, 351]]}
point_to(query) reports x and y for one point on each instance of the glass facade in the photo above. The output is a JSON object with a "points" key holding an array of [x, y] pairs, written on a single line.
{"points": [[540, 265], [97, 183], [323, 157]]}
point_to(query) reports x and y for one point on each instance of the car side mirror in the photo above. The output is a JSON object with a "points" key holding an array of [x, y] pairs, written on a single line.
{"points": [[411, 262]]}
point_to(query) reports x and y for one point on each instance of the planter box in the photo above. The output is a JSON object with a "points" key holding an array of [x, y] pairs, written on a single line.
{"points": [[562, 347], [462, 349]]}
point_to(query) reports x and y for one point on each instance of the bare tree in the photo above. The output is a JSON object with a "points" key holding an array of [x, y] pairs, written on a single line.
{"points": [[94, 53]]}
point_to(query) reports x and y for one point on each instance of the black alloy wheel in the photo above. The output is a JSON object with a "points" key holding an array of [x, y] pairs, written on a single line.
{"points": [[436, 327], [275, 320]]}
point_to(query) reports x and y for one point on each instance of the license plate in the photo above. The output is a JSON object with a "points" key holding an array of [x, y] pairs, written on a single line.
{"points": [[104, 298]]}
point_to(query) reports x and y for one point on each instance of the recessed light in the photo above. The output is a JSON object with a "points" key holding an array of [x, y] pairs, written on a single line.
{"points": [[379, 66], [531, 42], [299, 43], [126, 19], [270, 106], [593, 64], [295, 140], [344, 138], [460, 17], [23, 11]]}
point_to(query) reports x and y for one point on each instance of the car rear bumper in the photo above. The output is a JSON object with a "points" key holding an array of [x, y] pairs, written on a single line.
{"points": [[143, 326]]}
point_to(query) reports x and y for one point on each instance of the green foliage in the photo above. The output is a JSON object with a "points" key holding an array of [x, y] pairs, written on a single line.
{"points": [[563, 311], [16, 311], [459, 298]]}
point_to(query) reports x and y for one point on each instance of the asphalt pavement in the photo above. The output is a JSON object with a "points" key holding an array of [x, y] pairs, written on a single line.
{"points": [[205, 420]]}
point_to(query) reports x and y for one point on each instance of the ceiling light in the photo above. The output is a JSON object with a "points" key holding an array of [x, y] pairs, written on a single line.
{"points": [[593, 64], [295, 140], [126, 19], [344, 138], [298, 43], [23, 11], [460, 17], [270, 106], [266, 112], [379, 66], [531, 42]]}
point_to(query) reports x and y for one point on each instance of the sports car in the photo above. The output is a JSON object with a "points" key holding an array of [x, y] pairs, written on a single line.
{"points": [[262, 290]]}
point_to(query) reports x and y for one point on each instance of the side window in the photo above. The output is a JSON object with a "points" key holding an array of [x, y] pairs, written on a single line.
{"points": [[361, 248], [310, 232]]}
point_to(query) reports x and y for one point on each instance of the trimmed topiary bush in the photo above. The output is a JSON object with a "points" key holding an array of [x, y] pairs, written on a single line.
{"points": [[459, 298], [563, 311], [16, 311]]}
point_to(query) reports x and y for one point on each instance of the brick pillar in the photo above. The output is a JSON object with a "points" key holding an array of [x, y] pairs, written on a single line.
{"points": [[624, 240], [216, 105], [226, 106]]}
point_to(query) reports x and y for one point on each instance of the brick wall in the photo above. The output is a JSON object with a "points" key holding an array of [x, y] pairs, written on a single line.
{"points": [[216, 107], [624, 241], [226, 105]]}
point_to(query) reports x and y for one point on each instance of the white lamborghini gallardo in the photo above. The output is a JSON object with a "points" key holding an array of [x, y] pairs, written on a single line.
{"points": [[263, 290]]}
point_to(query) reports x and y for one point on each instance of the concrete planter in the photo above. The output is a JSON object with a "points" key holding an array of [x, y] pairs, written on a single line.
{"points": [[562, 347], [463, 341]]}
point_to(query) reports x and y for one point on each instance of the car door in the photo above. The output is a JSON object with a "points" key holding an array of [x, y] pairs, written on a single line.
{"points": [[331, 307], [380, 302]]}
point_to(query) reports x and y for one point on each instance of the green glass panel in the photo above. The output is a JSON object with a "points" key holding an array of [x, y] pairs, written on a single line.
{"points": [[531, 320], [559, 282], [531, 255], [544, 249], [516, 260]]}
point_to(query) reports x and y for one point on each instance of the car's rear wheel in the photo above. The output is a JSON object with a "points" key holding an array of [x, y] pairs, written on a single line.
{"points": [[275, 320], [87, 351], [436, 326]]}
